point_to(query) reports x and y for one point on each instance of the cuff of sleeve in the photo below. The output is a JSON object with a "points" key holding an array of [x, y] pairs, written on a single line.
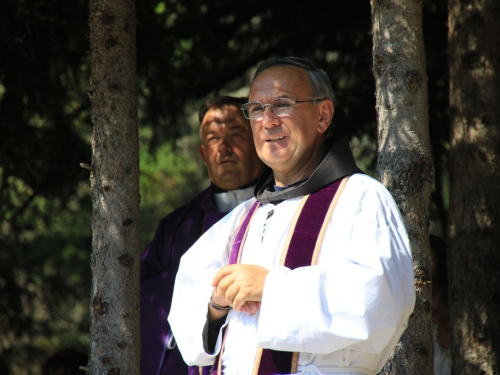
{"points": [[212, 335]]}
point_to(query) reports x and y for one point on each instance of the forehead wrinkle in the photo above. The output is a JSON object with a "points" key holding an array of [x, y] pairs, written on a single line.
{"points": [[219, 117], [274, 88], [215, 115]]}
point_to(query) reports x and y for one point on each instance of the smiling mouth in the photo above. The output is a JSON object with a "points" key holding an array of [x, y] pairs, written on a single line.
{"points": [[275, 139]]}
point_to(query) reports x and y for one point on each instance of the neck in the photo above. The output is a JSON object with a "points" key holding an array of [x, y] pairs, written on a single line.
{"points": [[218, 189], [287, 177]]}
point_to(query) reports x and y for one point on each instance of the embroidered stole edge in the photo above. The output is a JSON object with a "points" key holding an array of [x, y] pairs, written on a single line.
{"points": [[328, 216]]}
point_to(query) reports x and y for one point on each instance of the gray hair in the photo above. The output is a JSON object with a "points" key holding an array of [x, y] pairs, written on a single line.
{"points": [[322, 87]]}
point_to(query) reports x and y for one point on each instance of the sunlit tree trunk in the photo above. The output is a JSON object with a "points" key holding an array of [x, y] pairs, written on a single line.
{"points": [[115, 305], [474, 224], [404, 158]]}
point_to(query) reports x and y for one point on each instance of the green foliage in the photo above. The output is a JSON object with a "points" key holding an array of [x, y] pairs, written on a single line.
{"points": [[168, 179], [45, 211], [44, 272]]}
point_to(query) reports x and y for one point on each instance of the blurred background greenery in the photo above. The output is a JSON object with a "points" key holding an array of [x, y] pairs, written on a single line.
{"points": [[186, 50]]}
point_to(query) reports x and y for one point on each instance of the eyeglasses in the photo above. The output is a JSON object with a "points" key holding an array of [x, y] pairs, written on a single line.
{"points": [[279, 106]]}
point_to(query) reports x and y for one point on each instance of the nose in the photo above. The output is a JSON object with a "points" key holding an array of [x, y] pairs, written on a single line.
{"points": [[225, 145], [269, 119]]}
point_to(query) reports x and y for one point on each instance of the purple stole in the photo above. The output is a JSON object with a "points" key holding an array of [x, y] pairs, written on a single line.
{"points": [[302, 248]]}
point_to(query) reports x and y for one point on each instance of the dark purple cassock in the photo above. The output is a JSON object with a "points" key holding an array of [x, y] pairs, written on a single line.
{"points": [[175, 234]]}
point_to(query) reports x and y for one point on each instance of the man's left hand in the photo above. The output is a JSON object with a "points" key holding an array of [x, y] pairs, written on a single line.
{"points": [[242, 286]]}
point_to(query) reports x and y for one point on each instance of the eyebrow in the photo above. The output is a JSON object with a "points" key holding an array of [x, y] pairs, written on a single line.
{"points": [[230, 123], [208, 132], [283, 96], [235, 126]]}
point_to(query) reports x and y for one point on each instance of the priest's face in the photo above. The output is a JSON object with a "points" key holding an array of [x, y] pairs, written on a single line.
{"points": [[291, 144], [227, 148]]}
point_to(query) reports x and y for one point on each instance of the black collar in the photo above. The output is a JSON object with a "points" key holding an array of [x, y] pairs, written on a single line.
{"points": [[217, 189]]}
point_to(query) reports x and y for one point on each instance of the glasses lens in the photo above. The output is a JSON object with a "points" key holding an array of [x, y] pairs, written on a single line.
{"points": [[282, 107], [253, 110], [244, 108]]}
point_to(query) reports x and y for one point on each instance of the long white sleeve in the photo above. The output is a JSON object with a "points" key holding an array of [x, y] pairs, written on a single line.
{"points": [[193, 289]]}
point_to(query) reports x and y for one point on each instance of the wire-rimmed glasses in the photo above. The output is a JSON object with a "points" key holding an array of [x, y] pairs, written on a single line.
{"points": [[279, 106]]}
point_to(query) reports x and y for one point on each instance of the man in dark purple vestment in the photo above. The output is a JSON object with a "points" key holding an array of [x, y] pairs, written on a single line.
{"points": [[233, 166]]}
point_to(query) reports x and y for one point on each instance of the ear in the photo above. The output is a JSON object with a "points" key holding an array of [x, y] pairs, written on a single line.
{"points": [[326, 110], [202, 153]]}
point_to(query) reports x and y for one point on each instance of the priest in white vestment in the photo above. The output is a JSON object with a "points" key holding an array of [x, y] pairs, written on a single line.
{"points": [[341, 314]]}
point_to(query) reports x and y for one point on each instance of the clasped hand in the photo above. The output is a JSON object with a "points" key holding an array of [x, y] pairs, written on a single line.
{"points": [[240, 286]]}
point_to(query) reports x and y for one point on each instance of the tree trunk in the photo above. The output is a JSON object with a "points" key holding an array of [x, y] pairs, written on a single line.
{"points": [[404, 158], [115, 304], [473, 231]]}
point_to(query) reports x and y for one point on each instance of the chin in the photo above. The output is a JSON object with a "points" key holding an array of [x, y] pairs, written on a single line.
{"points": [[228, 173], [275, 159], [229, 179]]}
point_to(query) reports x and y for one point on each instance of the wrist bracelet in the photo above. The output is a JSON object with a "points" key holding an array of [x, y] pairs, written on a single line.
{"points": [[217, 307]]}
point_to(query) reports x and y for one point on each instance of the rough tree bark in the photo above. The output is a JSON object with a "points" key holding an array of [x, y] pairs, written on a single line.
{"points": [[473, 231], [115, 305], [404, 158]]}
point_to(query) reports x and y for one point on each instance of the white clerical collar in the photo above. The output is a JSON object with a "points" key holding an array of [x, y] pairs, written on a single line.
{"points": [[228, 200]]}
